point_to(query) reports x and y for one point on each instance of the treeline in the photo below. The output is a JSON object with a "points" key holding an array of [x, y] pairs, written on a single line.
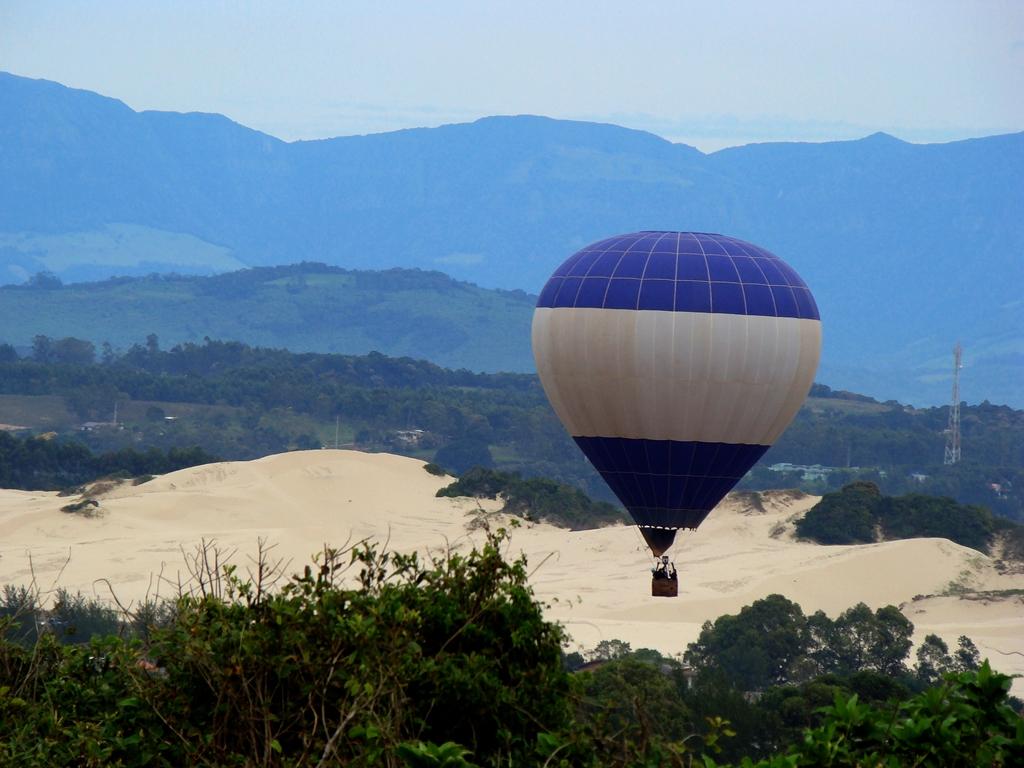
{"points": [[284, 400], [449, 662], [859, 513], [38, 464], [846, 430], [372, 396]]}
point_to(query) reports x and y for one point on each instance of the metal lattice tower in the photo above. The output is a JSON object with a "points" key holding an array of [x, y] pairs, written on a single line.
{"points": [[953, 430]]}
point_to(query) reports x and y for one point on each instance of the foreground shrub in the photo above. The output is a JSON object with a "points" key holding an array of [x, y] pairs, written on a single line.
{"points": [[370, 658], [455, 649], [965, 722]]}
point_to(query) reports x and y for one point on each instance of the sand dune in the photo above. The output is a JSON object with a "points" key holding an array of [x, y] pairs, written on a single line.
{"points": [[595, 582]]}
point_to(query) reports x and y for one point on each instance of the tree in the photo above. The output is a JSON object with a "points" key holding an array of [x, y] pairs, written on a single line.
{"points": [[44, 280], [877, 641], [8, 354], [66, 351], [609, 650], [628, 695], [967, 657], [42, 349], [72, 351], [756, 648], [933, 659], [845, 517]]}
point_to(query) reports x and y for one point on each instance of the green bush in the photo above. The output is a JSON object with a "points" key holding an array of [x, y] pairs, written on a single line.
{"points": [[859, 513], [845, 517], [916, 516], [965, 722], [451, 650]]}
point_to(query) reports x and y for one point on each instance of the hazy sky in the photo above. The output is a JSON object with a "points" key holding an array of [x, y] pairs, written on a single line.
{"points": [[707, 73]]}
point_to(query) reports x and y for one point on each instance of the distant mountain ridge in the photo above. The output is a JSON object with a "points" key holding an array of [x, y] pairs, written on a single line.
{"points": [[907, 248]]}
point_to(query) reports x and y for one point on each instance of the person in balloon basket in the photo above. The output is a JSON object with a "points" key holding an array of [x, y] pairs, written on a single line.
{"points": [[663, 569]]}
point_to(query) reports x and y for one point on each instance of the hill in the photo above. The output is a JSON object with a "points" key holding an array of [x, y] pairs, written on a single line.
{"points": [[878, 227], [594, 581], [306, 307]]}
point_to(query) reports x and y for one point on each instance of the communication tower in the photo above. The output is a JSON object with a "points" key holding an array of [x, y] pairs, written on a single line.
{"points": [[953, 430]]}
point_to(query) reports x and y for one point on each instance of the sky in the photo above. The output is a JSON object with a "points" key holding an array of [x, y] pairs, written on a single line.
{"points": [[710, 74]]}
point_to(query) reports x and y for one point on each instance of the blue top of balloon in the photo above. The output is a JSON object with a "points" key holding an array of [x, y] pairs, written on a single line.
{"points": [[680, 272]]}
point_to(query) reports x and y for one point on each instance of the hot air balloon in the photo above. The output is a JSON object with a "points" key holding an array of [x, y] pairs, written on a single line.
{"points": [[675, 360]]}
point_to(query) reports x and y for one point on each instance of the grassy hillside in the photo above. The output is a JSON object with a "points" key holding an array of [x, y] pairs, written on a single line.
{"points": [[306, 307]]}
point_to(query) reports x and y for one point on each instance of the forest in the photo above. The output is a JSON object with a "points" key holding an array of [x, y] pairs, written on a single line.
{"points": [[40, 464], [240, 402]]}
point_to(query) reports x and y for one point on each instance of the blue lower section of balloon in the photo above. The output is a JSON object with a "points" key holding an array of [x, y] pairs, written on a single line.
{"points": [[669, 483]]}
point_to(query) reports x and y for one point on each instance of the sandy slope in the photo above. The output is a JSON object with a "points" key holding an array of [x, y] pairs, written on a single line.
{"points": [[595, 582]]}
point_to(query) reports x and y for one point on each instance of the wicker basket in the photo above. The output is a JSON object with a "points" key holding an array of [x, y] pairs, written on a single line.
{"points": [[664, 587]]}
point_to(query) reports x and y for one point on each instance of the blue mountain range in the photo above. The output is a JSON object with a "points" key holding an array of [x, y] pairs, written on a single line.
{"points": [[908, 248]]}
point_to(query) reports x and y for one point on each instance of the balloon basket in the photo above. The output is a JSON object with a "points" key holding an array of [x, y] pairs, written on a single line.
{"points": [[664, 587]]}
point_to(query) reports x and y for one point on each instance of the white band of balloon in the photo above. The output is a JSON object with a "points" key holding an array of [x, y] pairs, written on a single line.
{"points": [[657, 375]]}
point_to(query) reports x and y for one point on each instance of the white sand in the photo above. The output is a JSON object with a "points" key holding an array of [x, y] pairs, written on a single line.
{"points": [[595, 582]]}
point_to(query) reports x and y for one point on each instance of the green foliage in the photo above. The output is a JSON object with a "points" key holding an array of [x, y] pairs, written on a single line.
{"points": [[76, 619], [611, 650], [300, 306], [964, 722], [20, 615], [442, 663], [479, 483], [635, 698], [866, 640], [853, 514], [429, 755], [69, 351], [915, 515], [414, 655], [435, 469], [932, 658], [900, 449], [756, 648], [967, 658], [534, 498], [771, 642], [845, 517], [37, 464]]}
